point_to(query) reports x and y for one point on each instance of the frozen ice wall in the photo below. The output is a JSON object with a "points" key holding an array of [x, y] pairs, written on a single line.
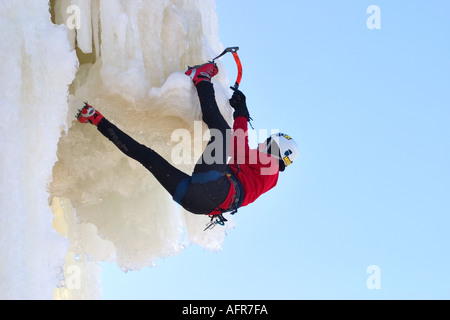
{"points": [[37, 66], [131, 56]]}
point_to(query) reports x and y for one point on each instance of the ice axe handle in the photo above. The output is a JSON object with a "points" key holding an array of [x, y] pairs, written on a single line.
{"points": [[239, 66]]}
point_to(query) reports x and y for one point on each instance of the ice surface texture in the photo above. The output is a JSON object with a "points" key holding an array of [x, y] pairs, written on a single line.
{"points": [[127, 58]]}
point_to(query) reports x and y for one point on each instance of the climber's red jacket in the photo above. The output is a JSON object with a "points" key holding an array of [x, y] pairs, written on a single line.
{"points": [[257, 171]]}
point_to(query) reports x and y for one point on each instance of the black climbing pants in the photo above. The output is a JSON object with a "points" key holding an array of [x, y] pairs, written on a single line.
{"points": [[208, 186]]}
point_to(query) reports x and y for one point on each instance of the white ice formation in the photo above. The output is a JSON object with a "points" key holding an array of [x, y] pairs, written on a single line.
{"points": [[69, 198]]}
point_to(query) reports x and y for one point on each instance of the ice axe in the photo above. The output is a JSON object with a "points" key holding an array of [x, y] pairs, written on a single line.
{"points": [[233, 50]]}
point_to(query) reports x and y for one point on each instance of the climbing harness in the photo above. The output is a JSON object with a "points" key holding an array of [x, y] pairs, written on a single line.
{"points": [[238, 198]]}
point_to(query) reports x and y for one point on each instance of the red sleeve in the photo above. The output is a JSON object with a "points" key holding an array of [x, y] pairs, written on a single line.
{"points": [[239, 148], [257, 171]]}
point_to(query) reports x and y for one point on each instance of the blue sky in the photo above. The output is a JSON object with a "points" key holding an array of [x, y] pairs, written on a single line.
{"points": [[370, 110]]}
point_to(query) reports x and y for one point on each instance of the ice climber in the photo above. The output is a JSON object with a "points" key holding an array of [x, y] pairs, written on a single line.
{"points": [[216, 186]]}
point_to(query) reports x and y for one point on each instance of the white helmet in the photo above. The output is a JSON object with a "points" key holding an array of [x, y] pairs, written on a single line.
{"points": [[288, 149]]}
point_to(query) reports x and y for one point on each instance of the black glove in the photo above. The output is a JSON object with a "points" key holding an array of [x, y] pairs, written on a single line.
{"points": [[237, 101]]}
